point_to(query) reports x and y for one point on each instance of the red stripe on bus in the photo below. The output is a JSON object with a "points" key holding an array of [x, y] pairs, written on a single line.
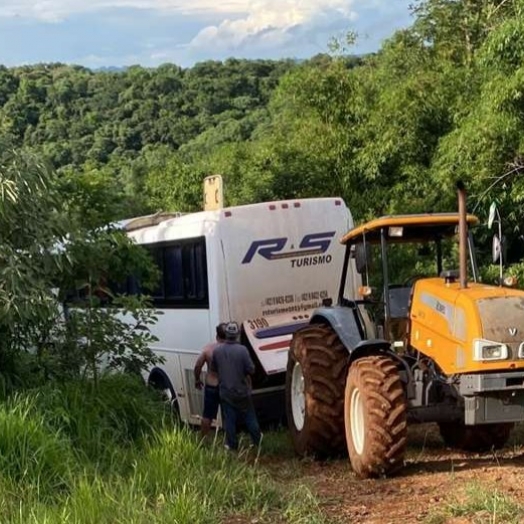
{"points": [[275, 345]]}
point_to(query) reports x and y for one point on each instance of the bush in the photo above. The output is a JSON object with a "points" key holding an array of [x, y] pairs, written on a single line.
{"points": [[78, 454], [31, 453], [119, 412]]}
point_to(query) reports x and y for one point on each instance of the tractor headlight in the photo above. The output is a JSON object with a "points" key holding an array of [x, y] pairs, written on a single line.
{"points": [[488, 350]]}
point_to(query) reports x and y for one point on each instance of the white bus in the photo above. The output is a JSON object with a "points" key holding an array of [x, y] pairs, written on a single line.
{"points": [[266, 266]]}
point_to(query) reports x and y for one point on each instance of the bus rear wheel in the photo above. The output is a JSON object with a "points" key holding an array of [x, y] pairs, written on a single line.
{"points": [[164, 387]]}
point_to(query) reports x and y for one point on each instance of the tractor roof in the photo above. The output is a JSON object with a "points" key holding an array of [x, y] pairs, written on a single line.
{"points": [[408, 228]]}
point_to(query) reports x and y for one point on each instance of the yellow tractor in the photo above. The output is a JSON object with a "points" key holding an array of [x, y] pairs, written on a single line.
{"points": [[436, 348]]}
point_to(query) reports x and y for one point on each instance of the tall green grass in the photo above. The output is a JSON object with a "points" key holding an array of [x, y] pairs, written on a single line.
{"points": [[72, 454], [32, 454], [118, 414]]}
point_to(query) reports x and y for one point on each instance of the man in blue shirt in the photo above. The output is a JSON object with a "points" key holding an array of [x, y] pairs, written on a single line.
{"points": [[234, 366]]}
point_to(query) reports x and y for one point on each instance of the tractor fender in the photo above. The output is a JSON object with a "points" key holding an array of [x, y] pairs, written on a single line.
{"points": [[372, 347], [342, 320]]}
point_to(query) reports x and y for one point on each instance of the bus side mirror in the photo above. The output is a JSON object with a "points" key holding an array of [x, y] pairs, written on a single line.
{"points": [[362, 257]]}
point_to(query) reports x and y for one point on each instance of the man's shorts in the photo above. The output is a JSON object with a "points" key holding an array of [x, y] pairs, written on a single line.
{"points": [[211, 402]]}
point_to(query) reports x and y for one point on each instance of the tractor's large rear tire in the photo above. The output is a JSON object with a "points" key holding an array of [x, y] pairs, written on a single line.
{"points": [[315, 379], [375, 416], [483, 437]]}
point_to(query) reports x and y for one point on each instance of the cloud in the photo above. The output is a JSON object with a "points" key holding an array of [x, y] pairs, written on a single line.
{"points": [[234, 23], [116, 32], [274, 23], [56, 10]]}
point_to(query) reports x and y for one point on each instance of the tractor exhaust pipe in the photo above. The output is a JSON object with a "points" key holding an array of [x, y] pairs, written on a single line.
{"points": [[463, 235]]}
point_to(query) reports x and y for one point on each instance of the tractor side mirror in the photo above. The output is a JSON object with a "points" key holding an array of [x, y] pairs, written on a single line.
{"points": [[497, 244], [496, 248], [362, 257]]}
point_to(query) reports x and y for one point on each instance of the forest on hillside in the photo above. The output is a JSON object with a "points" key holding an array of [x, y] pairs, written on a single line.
{"points": [[390, 132]]}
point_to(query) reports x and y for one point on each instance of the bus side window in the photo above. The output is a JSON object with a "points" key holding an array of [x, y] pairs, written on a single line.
{"points": [[183, 269], [201, 271], [157, 255], [174, 273], [195, 271], [133, 286]]}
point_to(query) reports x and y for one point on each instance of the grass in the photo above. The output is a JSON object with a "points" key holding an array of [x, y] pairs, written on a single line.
{"points": [[30, 453], [278, 442], [70, 454], [481, 505]]}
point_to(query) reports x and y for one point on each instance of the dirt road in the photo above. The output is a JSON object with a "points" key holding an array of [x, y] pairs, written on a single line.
{"points": [[434, 481]]}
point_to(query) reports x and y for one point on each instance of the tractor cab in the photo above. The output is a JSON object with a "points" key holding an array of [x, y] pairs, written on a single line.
{"points": [[380, 249]]}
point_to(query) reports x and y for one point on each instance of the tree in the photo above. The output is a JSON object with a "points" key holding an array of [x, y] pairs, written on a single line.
{"points": [[106, 307], [30, 228], [47, 252], [170, 183]]}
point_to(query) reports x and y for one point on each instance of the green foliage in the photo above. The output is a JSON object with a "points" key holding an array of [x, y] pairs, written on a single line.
{"points": [[485, 146], [30, 227], [119, 410], [95, 254], [109, 338], [390, 132], [44, 255], [93, 197], [170, 183], [114, 136], [75, 454], [101, 328], [31, 454]]}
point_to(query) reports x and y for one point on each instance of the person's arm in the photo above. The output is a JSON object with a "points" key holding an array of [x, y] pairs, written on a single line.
{"points": [[197, 370], [249, 369]]}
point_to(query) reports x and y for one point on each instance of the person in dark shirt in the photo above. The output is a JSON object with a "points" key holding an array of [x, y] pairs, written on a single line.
{"points": [[234, 367]]}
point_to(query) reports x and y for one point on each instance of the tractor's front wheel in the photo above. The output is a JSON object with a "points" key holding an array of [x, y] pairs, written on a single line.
{"points": [[375, 416], [315, 378], [479, 438]]}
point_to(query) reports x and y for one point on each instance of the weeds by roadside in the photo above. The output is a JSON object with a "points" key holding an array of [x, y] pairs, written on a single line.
{"points": [[70, 454], [480, 505]]}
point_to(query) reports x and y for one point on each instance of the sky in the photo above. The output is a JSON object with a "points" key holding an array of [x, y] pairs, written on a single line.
{"points": [[105, 33]]}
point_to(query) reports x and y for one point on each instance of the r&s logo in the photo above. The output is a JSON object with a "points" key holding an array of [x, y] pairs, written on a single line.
{"points": [[311, 250]]}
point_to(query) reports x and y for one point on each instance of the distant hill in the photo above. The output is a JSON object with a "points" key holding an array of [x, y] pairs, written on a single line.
{"points": [[76, 115]]}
